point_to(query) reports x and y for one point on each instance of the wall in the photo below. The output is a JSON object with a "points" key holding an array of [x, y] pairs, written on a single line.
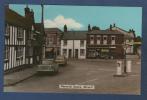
{"points": [[76, 46]]}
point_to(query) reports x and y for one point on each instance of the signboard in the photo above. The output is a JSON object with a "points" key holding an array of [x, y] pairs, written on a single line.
{"points": [[104, 50]]}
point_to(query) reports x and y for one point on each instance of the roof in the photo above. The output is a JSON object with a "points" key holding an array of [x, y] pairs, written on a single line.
{"points": [[76, 35], [105, 32], [127, 34], [52, 30], [14, 18]]}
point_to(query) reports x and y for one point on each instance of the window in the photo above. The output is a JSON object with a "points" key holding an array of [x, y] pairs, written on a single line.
{"points": [[50, 40], [6, 52], [20, 33], [98, 39], [19, 51], [65, 42], [82, 52], [112, 40], [91, 39], [65, 52], [82, 43], [7, 30], [105, 40]]}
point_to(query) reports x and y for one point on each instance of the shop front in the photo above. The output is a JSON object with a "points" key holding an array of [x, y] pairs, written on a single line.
{"points": [[101, 53]]}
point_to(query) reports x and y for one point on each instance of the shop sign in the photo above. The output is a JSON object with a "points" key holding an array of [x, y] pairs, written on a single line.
{"points": [[104, 50]]}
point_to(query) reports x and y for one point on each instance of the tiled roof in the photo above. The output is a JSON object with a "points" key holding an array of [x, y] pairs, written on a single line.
{"points": [[127, 34], [52, 30], [76, 35], [14, 18], [104, 32]]}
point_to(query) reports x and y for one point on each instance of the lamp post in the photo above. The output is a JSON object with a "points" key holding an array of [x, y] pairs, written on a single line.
{"points": [[73, 47], [125, 48], [73, 44], [42, 30]]}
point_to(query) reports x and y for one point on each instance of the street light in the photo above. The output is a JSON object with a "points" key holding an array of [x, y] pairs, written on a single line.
{"points": [[125, 48], [42, 30]]}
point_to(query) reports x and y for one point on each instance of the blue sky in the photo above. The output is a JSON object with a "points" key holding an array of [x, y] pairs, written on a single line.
{"points": [[78, 17]]}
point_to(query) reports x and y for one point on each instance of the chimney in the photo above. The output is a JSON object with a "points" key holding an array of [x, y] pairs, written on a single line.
{"points": [[133, 31], [114, 25], [27, 11], [32, 15], [110, 27], [65, 28], [89, 27], [130, 30]]}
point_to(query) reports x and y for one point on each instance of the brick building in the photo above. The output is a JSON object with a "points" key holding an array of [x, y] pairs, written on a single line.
{"points": [[53, 36], [105, 44]]}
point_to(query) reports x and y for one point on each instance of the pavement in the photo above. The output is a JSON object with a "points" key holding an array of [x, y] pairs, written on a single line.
{"points": [[19, 76]]}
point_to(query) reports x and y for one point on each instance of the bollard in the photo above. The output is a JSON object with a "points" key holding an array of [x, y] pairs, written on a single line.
{"points": [[129, 65], [119, 69]]}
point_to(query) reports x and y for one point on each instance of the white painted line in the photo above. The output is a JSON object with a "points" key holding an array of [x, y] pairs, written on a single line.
{"points": [[88, 81]]}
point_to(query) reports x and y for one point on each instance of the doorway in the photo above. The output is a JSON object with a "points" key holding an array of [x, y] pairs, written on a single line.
{"points": [[70, 52], [76, 53]]}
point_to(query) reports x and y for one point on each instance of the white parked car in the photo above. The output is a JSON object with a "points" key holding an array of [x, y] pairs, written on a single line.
{"points": [[61, 60], [47, 66]]}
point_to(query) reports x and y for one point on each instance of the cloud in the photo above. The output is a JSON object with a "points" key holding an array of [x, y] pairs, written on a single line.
{"points": [[60, 21]]}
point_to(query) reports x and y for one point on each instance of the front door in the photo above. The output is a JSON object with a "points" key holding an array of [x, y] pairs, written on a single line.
{"points": [[76, 53]]}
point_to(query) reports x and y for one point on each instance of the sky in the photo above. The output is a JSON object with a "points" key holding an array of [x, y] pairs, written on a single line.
{"points": [[78, 17]]}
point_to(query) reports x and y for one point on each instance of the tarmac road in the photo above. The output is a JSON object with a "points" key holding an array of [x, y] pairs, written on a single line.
{"points": [[98, 73]]}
